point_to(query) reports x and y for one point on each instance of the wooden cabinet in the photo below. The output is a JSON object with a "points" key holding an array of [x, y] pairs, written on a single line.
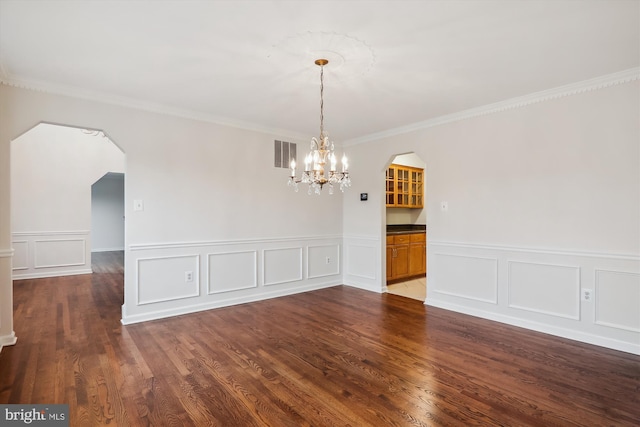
{"points": [[418, 254], [404, 187], [390, 257], [406, 256]]}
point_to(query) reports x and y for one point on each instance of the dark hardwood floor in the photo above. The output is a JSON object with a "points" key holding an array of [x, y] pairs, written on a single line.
{"points": [[334, 357], [107, 262]]}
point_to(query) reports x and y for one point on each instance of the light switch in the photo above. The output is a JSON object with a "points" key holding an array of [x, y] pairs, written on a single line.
{"points": [[138, 205]]}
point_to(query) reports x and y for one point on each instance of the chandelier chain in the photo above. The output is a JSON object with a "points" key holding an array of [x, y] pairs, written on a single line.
{"points": [[321, 102]]}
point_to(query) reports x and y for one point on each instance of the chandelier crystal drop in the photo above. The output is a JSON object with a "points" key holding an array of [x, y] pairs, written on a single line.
{"points": [[320, 164]]}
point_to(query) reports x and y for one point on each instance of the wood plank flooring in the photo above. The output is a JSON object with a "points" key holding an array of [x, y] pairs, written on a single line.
{"points": [[334, 357], [107, 262]]}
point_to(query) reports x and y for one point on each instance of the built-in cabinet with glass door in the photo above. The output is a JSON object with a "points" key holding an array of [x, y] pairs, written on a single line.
{"points": [[406, 251], [404, 187]]}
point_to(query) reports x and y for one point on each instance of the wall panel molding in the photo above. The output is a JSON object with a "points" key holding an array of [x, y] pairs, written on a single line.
{"points": [[470, 277], [179, 245], [6, 253], [617, 299], [358, 266], [162, 278], [232, 271], [282, 265], [536, 250], [60, 253], [20, 255], [51, 233], [363, 263], [39, 254], [548, 289], [317, 265], [541, 290]]}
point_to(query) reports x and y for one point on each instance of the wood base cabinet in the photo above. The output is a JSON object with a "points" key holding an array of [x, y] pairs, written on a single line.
{"points": [[418, 254], [406, 256]]}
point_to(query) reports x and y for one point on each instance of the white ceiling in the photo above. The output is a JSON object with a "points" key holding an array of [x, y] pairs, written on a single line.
{"points": [[250, 63]]}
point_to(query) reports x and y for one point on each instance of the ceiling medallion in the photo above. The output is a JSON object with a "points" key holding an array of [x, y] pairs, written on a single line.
{"points": [[349, 57]]}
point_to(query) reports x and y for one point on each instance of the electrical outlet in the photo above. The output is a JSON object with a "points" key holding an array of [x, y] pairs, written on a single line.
{"points": [[188, 276], [444, 206], [328, 260], [587, 295]]}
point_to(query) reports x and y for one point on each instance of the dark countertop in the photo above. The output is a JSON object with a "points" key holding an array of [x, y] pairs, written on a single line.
{"points": [[406, 228]]}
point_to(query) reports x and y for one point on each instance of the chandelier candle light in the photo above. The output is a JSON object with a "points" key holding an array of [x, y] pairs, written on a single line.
{"points": [[322, 151]]}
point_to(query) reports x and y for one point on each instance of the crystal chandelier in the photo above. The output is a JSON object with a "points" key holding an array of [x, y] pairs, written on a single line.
{"points": [[322, 152]]}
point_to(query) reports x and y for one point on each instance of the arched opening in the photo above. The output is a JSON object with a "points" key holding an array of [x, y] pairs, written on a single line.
{"points": [[53, 170], [405, 221]]}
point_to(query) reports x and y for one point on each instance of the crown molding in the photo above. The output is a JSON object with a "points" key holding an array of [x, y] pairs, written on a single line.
{"points": [[509, 104], [602, 82], [74, 92]]}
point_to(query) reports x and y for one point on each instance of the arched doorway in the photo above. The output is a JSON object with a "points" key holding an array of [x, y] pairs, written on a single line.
{"points": [[53, 168], [405, 220]]}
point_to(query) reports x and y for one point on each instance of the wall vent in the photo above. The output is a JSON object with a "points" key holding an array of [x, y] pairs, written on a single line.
{"points": [[284, 153]]}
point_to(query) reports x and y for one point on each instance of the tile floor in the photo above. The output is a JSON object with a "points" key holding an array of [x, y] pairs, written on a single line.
{"points": [[416, 289]]}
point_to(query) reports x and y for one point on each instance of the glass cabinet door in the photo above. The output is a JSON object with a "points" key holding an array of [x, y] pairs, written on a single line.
{"points": [[390, 184], [417, 189], [402, 187]]}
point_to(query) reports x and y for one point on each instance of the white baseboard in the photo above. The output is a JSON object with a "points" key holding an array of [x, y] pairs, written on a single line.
{"points": [[366, 287], [118, 249], [44, 275], [539, 327], [161, 314], [7, 340]]}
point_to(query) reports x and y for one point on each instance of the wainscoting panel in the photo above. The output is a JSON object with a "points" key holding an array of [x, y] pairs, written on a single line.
{"points": [[282, 265], [617, 297], [541, 289], [59, 253], [50, 254], [464, 276], [362, 263], [323, 261], [545, 288], [20, 255], [164, 278], [232, 271]]}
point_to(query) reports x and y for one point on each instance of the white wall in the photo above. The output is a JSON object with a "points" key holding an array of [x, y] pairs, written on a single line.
{"points": [[107, 213], [544, 201], [409, 159], [52, 170], [214, 205]]}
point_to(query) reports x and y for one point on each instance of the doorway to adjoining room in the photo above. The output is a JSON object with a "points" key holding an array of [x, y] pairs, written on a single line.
{"points": [[67, 201], [406, 222]]}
